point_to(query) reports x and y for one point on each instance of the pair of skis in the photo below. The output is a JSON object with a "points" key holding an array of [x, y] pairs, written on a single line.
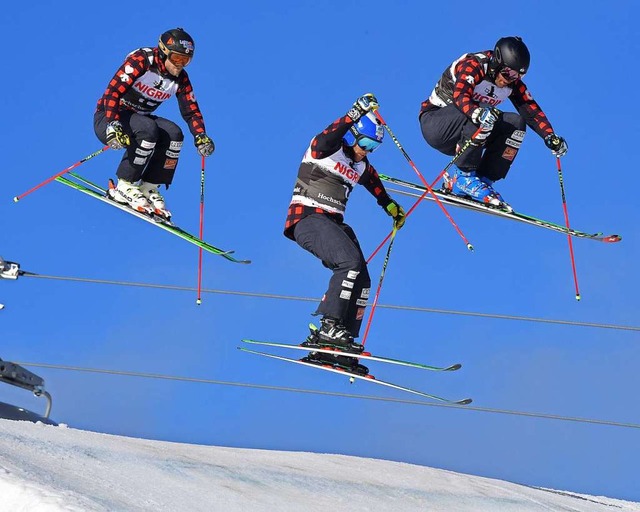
{"points": [[91, 189], [452, 200], [353, 375]]}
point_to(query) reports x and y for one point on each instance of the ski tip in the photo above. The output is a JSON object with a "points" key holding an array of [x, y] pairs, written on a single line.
{"points": [[453, 367], [466, 401], [612, 238]]}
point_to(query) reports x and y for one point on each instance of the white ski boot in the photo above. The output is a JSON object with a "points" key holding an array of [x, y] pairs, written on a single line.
{"points": [[129, 193], [155, 199]]}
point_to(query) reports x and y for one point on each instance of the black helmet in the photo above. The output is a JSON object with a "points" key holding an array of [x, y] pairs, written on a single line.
{"points": [[510, 52], [176, 40]]}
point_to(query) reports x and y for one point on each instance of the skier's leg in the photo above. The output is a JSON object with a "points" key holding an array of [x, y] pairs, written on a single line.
{"points": [[502, 146], [360, 291], [447, 129], [326, 240], [164, 161]]}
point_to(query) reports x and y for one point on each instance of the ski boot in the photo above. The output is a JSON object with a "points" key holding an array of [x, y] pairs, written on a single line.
{"points": [[129, 193], [150, 191], [332, 335], [467, 184]]}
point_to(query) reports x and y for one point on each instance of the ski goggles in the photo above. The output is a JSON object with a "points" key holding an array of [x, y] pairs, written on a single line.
{"points": [[510, 75], [179, 59], [367, 143]]}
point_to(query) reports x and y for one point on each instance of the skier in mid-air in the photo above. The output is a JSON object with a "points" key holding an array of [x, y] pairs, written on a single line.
{"points": [[124, 119], [465, 98], [336, 161]]}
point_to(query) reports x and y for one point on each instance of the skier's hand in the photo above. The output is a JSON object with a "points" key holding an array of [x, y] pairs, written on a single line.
{"points": [[396, 211], [486, 117], [365, 103], [116, 138], [556, 144], [204, 144]]}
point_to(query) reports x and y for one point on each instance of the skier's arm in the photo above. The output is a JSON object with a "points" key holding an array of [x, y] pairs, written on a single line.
{"points": [[468, 73], [330, 140], [134, 66], [189, 108], [372, 182], [530, 110]]}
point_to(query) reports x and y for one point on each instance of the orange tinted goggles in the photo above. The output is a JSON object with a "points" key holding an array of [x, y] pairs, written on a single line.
{"points": [[179, 59]]}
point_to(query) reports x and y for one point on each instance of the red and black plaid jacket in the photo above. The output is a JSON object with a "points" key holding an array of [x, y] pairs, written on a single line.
{"points": [[134, 67], [326, 144], [470, 71]]}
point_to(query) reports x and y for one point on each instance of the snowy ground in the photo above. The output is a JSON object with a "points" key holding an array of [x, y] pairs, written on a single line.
{"points": [[48, 469]]}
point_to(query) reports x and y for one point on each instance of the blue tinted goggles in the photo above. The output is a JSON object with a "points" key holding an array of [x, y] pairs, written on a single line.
{"points": [[368, 144]]}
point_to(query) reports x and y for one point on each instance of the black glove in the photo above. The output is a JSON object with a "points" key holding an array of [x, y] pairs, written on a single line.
{"points": [[396, 211], [365, 103], [116, 138], [556, 144], [204, 144]]}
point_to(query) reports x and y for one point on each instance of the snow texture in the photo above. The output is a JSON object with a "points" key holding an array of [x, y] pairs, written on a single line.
{"points": [[46, 468]]}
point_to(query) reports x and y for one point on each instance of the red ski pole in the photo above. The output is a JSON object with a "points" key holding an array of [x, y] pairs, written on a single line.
{"points": [[375, 299], [48, 180], [429, 189], [566, 219], [199, 300]]}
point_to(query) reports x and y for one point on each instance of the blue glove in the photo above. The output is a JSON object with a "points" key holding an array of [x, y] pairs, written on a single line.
{"points": [[486, 117]]}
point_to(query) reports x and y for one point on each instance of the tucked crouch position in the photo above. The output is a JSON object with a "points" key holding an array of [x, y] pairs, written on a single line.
{"points": [[465, 98], [124, 119]]}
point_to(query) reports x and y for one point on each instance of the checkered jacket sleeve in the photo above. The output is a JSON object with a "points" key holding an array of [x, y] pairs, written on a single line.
{"points": [[468, 72], [330, 140], [530, 110], [133, 67], [372, 182], [189, 108]]}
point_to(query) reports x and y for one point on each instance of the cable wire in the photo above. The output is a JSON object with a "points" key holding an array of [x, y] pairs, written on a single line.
{"points": [[555, 417], [315, 299]]}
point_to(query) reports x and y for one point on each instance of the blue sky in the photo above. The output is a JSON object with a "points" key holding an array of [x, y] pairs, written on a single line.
{"points": [[268, 78]]}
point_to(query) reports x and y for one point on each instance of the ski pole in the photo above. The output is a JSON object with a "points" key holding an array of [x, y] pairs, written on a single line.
{"points": [[429, 189], [199, 300], [566, 219], [375, 299], [464, 147], [48, 180]]}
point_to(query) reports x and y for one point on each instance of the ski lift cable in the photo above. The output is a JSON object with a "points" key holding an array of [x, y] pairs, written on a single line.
{"points": [[554, 417], [315, 299]]}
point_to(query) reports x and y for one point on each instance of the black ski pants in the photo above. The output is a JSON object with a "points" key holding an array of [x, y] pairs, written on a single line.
{"points": [[447, 129], [335, 243], [154, 150]]}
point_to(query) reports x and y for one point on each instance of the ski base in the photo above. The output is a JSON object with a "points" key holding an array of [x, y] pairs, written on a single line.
{"points": [[100, 193], [364, 355], [453, 200], [369, 377]]}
